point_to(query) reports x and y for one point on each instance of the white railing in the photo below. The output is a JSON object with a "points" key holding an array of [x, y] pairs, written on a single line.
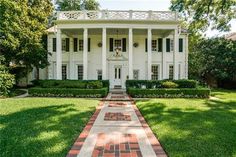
{"points": [[118, 15]]}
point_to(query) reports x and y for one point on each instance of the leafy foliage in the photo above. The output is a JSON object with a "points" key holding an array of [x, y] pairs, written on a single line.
{"points": [[23, 24], [169, 93], [68, 92], [203, 13], [7, 80], [69, 5], [214, 57]]}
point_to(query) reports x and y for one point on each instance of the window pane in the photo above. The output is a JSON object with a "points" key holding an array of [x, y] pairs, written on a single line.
{"points": [[99, 74], [63, 44], [155, 72], [81, 45], [154, 45], [80, 72], [136, 74], [64, 73], [171, 45]]}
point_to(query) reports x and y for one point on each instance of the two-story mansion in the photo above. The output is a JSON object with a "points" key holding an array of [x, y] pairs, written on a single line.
{"points": [[116, 46]]}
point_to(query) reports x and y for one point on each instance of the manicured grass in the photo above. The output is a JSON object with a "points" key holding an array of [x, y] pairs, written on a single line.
{"points": [[42, 126], [194, 127]]}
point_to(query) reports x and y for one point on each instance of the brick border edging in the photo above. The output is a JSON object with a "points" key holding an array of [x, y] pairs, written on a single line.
{"points": [[156, 145], [75, 149]]}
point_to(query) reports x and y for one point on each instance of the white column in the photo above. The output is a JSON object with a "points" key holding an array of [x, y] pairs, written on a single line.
{"points": [[85, 54], [175, 61], [58, 56], [71, 56], [130, 53], [164, 69], [149, 55], [104, 54], [186, 57]]}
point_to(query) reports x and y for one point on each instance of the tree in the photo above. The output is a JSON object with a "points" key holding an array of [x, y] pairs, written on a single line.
{"points": [[6, 79], [213, 59], [200, 14], [22, 26], [69, 5]]}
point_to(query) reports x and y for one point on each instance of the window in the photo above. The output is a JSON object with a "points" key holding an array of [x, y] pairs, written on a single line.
{"points": [[160, 42], [75, 44], [154, 45], [118, 73], [118, 44], [180, 45], [81, 45], [54, 44], [99, 73], [171, 72], [168, 45], [171, 45], [136, 74], [80, 72], [154, 72], [64, 73], [63, 44]]}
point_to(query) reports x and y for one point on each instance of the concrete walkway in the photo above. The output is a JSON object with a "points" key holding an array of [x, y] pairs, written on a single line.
{"points": [[117, 129]]}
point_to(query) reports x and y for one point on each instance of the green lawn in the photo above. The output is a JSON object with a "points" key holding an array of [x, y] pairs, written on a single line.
{"points": [[194, 127], [41, 126]]}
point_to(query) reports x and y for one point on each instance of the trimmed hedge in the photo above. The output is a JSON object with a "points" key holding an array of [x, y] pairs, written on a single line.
{"points": [[6, 83], [169, 93], [67, 92], [153, 84], [81, 84]]}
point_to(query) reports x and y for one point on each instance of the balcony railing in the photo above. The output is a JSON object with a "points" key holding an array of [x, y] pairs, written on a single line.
{"points": [[118, 15]]}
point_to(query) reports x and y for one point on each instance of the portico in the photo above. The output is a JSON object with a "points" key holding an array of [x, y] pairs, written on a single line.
{"points": [[116, 48]]}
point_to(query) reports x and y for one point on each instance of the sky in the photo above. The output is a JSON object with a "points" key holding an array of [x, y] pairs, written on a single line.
{"points": [[156, 5]]}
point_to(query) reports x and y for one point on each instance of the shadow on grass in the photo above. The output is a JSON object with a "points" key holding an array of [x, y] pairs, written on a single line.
{"points": [[194, 132], [43, 131]]}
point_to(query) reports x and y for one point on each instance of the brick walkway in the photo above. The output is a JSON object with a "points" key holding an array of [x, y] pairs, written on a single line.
{"points": [[117, 129]]}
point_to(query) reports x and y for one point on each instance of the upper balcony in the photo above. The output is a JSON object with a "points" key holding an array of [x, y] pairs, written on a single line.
{"points": [[118, 15]]}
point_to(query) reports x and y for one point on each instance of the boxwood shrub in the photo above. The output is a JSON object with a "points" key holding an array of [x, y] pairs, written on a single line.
{"points": [[68, 92], [81, 84], [169, 93], [153, 84]]}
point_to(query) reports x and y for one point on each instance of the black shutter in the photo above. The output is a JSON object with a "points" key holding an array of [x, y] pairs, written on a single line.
{"points": [[111, 45], [146, 45], [67, 44], [180, 45], [54, 44], [160, 48], [167, 45], [89, 42], [75, 44], [123, 44]]}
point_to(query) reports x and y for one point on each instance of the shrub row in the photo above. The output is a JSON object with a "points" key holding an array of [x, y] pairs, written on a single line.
{"points": [[152, 84], [80, 84], [66, 92], [169, 93]]}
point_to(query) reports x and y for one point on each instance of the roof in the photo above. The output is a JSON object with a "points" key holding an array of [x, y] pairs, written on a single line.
{"points": [[231, 36]]}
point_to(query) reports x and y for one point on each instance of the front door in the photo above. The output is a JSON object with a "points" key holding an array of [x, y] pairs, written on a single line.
{"points": [[117, 75]]}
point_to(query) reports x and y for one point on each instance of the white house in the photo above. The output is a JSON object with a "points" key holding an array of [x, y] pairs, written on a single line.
{"points": [[116, 46]]}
